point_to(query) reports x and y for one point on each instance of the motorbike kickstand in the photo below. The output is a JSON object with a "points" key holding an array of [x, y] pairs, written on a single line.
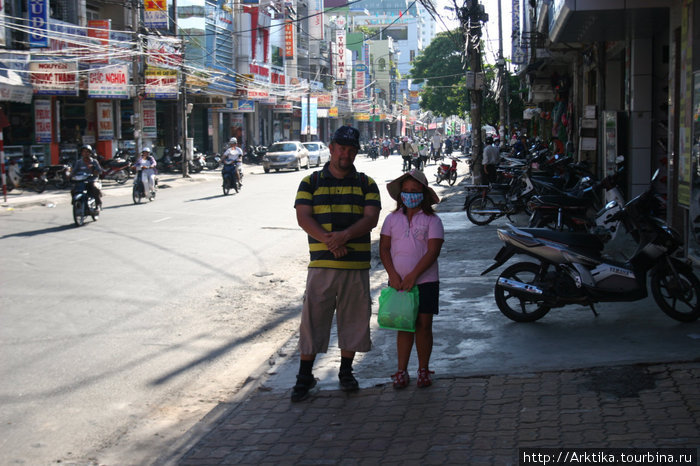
{"points": [[593, 309]]}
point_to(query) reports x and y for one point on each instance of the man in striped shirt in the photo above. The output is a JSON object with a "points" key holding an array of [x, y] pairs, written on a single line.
{"points": [[337, 207]]}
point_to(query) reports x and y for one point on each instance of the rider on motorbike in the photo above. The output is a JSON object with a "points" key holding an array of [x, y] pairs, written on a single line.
{"points": [[232, 159], [89, 164], [147, 165]]}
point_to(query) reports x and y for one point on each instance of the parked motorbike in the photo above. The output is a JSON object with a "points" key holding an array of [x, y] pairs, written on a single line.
{"points": [[447, 172], [229, 177], [570, 269], [33, 178], [59, 175], [117, 169], [254, 154], [84, 202], [199, 162], [213, 161]]}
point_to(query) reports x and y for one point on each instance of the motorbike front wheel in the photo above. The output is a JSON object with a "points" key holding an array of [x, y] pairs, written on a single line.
{"points": [[518, 307], [438, 178], [226, 186], [453, 178], [678, 295], [39, 184], [137, 194], [121, 176], [475, 208], [79, 214]]}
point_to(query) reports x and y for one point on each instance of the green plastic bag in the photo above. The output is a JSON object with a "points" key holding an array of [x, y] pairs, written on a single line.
{"points": [[398, 310]]}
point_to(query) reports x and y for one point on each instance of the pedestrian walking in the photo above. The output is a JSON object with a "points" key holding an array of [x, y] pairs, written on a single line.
{"points": [[337, 207], [409, 245], [492, 158]]}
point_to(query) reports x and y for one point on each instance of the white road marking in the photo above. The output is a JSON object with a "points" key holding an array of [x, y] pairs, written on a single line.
{"points": [[161, 220]]}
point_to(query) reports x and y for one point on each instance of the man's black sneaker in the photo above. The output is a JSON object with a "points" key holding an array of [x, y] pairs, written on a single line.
{"points": [[301, 390], [348, 382]]}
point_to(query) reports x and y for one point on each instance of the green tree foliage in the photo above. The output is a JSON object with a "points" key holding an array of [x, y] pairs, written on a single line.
{"points": [[440, 66]]}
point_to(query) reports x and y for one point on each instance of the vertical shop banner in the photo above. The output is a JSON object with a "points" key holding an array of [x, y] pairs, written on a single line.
{"points": [[99, 29], [340, 74], [360, 71], [105, 125], [685, 167], [2, 24], [155, 14], [313, 115], [42, 120], [38, 23], [304, 115], [289, 39], [149, 119], [316, 19], [517, 53]]}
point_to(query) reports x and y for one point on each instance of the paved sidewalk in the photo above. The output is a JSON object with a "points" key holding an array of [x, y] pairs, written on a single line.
{"points": [[465, 420], [461, 419]]}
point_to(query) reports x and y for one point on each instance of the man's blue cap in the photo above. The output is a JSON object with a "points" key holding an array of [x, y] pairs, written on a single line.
{"points": [[347, 136]]}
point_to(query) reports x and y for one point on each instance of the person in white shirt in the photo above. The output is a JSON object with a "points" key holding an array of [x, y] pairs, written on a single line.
{"points": [[436, 140], [146, 164], [492, 158]]}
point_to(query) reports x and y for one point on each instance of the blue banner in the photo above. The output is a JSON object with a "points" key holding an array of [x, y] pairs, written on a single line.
{"points": [[38, 22]]}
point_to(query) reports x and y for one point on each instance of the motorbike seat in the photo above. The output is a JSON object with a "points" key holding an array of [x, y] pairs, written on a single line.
{"points": [[564, 201], [575, 240]]}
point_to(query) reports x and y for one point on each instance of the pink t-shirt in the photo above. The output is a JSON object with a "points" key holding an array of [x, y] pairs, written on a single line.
{"points": [[409, 245]]}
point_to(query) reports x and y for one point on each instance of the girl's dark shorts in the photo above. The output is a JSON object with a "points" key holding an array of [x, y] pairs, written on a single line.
{"points": [[428, 298]]}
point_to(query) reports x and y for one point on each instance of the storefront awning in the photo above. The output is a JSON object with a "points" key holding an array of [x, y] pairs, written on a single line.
{"points": [[12, 89], [573, 21]]}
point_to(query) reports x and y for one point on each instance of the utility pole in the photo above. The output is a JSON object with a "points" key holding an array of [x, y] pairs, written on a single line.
{"points": [[502, 100], [471, 16], [137, 64], [183, 98]]}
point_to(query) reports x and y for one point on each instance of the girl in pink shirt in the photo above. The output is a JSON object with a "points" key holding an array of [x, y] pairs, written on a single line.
{"points": [[410, 243]]}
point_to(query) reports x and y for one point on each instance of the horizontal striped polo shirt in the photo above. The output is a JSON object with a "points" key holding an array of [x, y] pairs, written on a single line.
{"points": [[338, 203]]}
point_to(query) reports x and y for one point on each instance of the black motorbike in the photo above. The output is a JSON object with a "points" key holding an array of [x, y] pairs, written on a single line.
{"points": [[59, 175], [229, 179], [82, 198], [570, 268], [213, 161], [373, 152], [254, 154]]}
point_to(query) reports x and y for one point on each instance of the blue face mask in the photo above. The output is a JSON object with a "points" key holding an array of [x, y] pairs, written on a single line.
{"points": [[411, 200]]}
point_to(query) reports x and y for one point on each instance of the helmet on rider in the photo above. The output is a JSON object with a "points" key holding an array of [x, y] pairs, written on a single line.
{"points": [[146, 150], [232, 141], [87, 147], [489, 140]]}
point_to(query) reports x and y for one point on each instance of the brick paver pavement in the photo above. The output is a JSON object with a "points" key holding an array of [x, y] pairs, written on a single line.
{"points": [[467, 420]]}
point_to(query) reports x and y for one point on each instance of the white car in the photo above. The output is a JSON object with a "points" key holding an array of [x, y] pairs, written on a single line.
{"points": [[286, 154], [319, 153]]}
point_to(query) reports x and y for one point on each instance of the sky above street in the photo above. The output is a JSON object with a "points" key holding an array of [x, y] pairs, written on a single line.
{"points": [[490, 35]]}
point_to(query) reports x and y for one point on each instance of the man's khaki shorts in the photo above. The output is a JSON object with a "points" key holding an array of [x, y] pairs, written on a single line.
{"points": [[347, 293]]}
